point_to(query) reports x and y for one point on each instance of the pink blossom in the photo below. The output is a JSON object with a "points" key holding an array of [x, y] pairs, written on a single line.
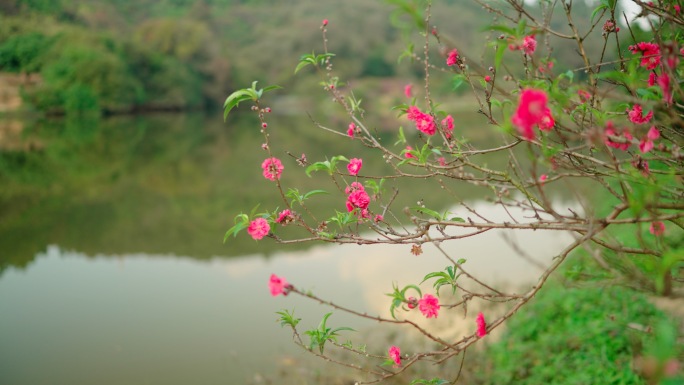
{"points": [[653, 133], [664, 82], [354, 166], [411, 302], [487, 78], [285, 217], [413, 113], [273, 168], [357, 199], [278, 285], [584, 95], [645, 145], [452, 59], [378, 218], [395, 355], [529, 44], [325, 22], [636, 115], [677, 9], [442, 161], [429, 306], [543, 178], [652, 79], [532, 111], [650, 54], [407, 152], [353, 187], [481, 325], [351, 130], [424, 122], [657, 228], [258, 228], [407, 90], [448, 123]]}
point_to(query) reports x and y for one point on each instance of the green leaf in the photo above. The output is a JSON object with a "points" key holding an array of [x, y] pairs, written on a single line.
{"points": [[498, 58], [597, 10], [500, 28]]}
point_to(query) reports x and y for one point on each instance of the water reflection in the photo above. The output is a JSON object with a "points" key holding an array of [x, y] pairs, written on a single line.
{"points": [[139, 287], [165, 319]]}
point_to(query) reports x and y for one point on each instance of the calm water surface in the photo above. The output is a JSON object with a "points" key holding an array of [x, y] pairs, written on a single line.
{"points": [[112, 269]]}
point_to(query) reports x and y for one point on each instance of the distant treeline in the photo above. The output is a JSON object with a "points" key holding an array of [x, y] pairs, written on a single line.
{"points": [[116, 56]]}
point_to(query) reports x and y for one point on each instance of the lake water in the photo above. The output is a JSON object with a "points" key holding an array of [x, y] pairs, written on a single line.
{"points": [[113, 270]]}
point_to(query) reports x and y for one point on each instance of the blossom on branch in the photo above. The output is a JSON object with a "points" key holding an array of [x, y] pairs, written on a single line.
{"points": [[354, 166], [532, 111], [529, 45], [395, 355], [429, 306], [481, 325], [258, 228], [272, 168], [278, 285], [657, 228], [285, 217], [424, 122], [650, 54], [636, 115], [452, 59]]}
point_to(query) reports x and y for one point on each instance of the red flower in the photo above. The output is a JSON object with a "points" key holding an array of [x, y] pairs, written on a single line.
{"points": [[532, 111], [650, 54], [357, 199], [543, 178], [407, 90], [452, 59], [636, 115], [325, 22], [529, 44], [481, 325], [354, 166], [448, 123], [584, 95], [657, 228], [353, 187], [424, 122], [487, 78], [285, 217], [272, 168], [395, 355], [351, 130], [258, 228], [278, 285], [664, 82], [407, 152], [429, 306]]}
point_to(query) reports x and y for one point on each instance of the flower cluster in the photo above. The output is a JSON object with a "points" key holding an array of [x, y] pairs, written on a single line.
{"points": [[532, 111], [650, 54], [528, 45], [424, 122], [357, 198], [646, 144], [636, 115]]}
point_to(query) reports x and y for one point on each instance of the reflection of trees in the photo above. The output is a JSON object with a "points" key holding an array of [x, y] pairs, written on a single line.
{"points": [[160, 184]]}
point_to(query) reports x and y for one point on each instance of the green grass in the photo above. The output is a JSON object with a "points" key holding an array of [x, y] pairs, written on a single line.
{"points": [[581, 336]]}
